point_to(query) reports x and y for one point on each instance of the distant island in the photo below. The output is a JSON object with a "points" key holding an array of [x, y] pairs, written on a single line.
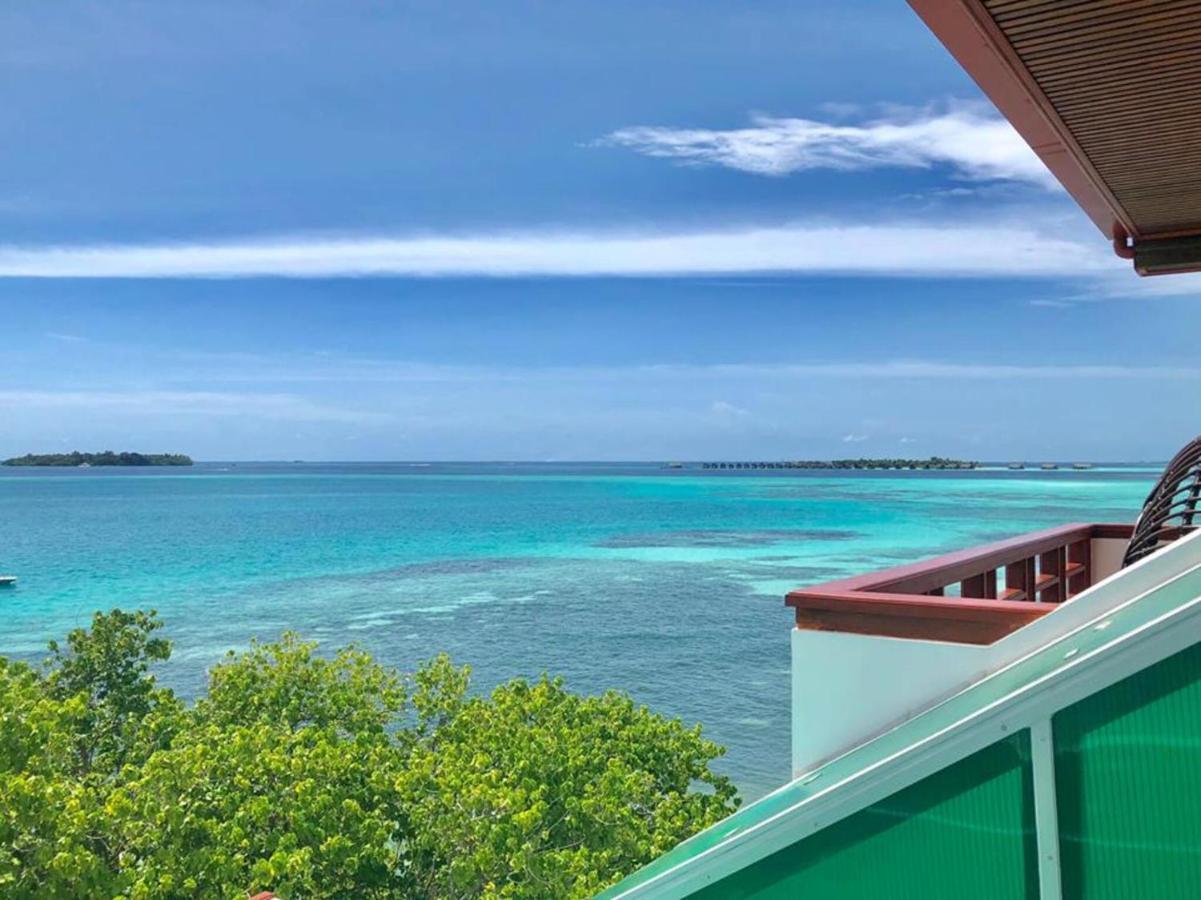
{"points": [[934, 462], [107, 458]]}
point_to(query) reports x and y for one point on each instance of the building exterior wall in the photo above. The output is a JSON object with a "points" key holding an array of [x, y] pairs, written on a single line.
{"points": [[1107, 556], [849, 688]]}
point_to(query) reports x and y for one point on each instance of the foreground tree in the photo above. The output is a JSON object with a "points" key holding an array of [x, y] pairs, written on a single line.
{"points": [[537, 792], [326, 777]]}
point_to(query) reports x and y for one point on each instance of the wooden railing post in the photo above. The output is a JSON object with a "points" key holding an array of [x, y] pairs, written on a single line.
{"points": [[1019, 580], [981, 587], [1080, 554], [1051, 567]]}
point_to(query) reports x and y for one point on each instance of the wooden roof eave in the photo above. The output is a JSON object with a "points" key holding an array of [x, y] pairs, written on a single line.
{"points": [[973, 38]]}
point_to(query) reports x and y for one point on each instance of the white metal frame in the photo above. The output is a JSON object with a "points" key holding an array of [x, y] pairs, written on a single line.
{"points": [[1046, 809]]}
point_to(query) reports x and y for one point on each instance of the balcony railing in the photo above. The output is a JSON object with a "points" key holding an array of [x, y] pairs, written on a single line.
{"points": [[973, 596]]}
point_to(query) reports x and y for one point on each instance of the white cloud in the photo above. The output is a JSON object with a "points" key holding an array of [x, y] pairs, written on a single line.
{"points": [[1123, 284], [671, 411], [188, 403], [724, 410], [977, 145], [1180, 285], [237, 369], [948, 370], [903, 248], [889, 370]]}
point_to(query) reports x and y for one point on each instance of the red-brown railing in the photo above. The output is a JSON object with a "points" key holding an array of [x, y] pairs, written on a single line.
{"points": [[1040, 569]]}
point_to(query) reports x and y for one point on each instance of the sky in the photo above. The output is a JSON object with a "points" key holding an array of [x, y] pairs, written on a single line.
{"points": [[550, 231]]}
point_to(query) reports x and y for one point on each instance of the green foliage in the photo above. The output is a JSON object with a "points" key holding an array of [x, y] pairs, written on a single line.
{"points": [[537, 792], [39, 833], [107, 668], [287, 685], [106, 458], [327, 777], [227, 811]]}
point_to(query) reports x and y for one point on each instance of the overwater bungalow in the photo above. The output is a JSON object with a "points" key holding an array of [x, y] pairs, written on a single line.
{"points": [[1019, 719]]}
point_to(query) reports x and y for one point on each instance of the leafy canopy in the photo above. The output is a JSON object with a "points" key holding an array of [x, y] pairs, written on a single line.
{"points": [[325, 777]]}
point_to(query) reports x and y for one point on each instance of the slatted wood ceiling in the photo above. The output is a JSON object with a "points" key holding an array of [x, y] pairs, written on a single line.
{"points": [[1125, 77]]}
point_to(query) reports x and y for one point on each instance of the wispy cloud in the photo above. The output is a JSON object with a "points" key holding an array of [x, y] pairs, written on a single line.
{"points": [[335, 371], [902, 248], [930, 369], [975, 144], [621, 412], [727, 410], [1123, 284], [285, 407], [1183, 285]]}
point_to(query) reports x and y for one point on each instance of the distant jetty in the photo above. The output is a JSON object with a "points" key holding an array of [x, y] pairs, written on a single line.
{"points": [[106, 458], [933, 463]]}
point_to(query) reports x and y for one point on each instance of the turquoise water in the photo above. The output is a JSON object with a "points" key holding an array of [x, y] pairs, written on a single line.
{"points": [[665, 583]]}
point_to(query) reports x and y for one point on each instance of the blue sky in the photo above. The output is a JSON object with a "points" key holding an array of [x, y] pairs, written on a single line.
{"points": [[536, 230]]}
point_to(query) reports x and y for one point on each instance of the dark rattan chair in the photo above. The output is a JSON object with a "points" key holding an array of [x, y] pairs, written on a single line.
{"points": [[1171, 507]]}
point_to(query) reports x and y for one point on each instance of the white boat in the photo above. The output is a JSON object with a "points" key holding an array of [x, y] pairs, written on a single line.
{"points": [[8, 580]]}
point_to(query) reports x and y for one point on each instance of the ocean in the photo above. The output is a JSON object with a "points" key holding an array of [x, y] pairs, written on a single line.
{"points": [[666, 583]]}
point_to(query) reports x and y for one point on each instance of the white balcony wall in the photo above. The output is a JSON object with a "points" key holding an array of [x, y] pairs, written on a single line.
{"points": [[849, 688]]}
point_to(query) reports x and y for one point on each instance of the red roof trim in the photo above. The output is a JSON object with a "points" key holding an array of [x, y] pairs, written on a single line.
{"points": [[968, 31]]}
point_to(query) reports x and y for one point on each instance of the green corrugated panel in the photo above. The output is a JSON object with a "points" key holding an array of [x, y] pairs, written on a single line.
{"points": [[787, 809], [1128, 776], [966, 832]]}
